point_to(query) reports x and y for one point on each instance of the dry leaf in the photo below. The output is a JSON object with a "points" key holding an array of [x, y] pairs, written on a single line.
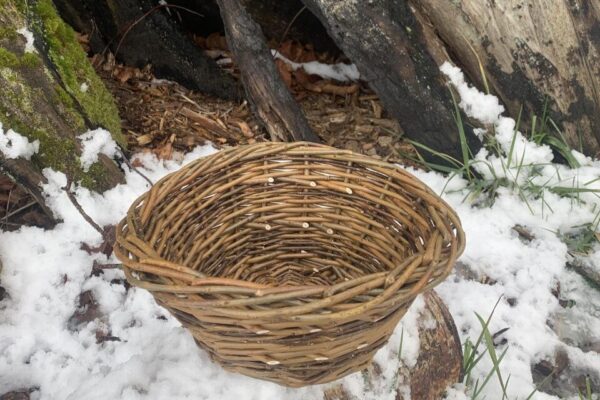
{"points": [[216, 41], [137, 163], [377, 110], [199, 41], [165, 151], [285, 71], [384, 140], [123, 74]]}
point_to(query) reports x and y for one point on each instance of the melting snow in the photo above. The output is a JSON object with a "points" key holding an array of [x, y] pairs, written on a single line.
{"points": [[340, 72], [97, 141], [13, 145], [29, 47]]}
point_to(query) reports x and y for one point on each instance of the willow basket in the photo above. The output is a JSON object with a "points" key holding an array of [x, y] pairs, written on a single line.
{"points": [[289, 262]]}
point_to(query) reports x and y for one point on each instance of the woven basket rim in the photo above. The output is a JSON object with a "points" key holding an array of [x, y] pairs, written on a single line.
{"points": [[295, 148]]}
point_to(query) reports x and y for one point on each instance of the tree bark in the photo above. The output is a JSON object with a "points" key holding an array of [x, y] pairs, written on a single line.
{"points": [[387, 44], [43, 98], [265, 89], [440, 361], [532, 53], [140, 34]]}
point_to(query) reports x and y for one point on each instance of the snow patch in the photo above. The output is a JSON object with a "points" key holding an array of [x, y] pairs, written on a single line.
{"points": [[484, 107], [340, 71], [524, 273], [155, 357], [13, 145], [94, 142], [29, 46]]}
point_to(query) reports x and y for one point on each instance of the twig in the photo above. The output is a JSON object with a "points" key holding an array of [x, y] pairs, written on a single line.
{"points": [[109, 266], [80, 209], [287, 29], [7, 206], [134, 168], [26, 206]]}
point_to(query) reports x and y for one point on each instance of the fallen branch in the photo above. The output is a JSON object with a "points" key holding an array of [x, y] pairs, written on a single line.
{"points": [[266, 91]]}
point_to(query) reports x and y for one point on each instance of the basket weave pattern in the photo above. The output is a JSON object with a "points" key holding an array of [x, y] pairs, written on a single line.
{"points": [[291, 262]]}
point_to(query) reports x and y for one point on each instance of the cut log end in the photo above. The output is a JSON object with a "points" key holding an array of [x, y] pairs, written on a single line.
{"points": [[439, 364]]}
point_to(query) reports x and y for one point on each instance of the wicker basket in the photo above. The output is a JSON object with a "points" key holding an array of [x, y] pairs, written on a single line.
{"points": [[290, 262]]}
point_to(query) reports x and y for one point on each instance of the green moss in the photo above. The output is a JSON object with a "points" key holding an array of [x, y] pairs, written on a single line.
{"points": [[41, 106], [30, 60], [69, 111], [20, 5], [11, 60], [7, 33], [57, 153], [95, 176], [74, 69], [8, 59], [14, 93]]}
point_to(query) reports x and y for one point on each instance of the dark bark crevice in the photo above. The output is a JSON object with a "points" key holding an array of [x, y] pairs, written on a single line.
{"points": [[155, 39]]}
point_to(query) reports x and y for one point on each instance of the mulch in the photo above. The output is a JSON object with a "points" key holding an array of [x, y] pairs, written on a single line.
{"points": [[162, 117]]}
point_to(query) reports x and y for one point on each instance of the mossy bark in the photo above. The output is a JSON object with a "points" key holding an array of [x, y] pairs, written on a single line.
{"points": [[42, 95], [138, 37]]}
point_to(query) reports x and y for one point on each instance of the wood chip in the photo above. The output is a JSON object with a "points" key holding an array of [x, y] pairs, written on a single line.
{"points": [[144, 139]]}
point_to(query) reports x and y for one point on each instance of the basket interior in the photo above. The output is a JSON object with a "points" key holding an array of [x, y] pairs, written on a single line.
{"points": [[290, 221]]}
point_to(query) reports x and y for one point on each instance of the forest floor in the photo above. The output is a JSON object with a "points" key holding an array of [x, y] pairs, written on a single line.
{"points": [[524, 294]]}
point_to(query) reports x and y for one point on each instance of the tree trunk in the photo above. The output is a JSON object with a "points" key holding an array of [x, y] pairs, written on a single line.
{"points": [[51, 95], [532, 53], [265, 89], [387, 44], [139, 34]]}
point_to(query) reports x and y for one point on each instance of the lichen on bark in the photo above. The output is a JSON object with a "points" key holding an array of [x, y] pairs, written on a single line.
{"points": [[74, 69]]}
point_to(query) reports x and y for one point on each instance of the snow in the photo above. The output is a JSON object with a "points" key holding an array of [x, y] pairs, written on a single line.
{"points": [[94, 142], [13, 145], [527, 272], [483, 107], [340, 71], [29, 47], [45, 271]]}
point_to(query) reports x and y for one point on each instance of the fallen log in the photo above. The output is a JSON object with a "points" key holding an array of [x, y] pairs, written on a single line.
{"points": [[438, 366], [140, 32], [386, 43]]}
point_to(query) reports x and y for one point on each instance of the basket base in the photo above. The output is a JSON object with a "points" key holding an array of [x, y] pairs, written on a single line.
{"points": [[298, 370]]}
